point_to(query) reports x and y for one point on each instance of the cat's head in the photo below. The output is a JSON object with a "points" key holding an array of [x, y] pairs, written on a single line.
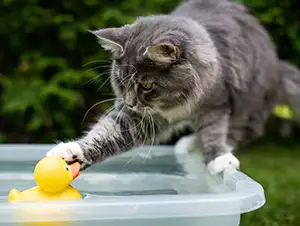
{"points": [[161, 64]]}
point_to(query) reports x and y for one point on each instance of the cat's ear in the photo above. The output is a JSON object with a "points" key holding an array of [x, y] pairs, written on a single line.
{"points": [[163, 53], [111, 39]]}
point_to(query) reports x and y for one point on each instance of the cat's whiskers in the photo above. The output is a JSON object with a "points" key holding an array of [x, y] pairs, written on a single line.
{"points": [[132, 128], [151, 123], [140, 127], [112, 108], [96, 104], [145, 129], [101, 66], [132, 76], [123, 79], [106, 72], [136, 137], [97, 61], [104, 83], [119, 115], [130, 65]]}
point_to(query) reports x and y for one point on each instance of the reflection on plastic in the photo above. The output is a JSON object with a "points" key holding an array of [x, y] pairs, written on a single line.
{"points": [[56, 215]]}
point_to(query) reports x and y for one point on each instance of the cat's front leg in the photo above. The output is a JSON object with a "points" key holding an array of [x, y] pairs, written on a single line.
{"points": [[218, 154], [112, 134], [211, 140]]}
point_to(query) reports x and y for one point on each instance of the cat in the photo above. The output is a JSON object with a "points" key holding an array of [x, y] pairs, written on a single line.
{"points": [[208, 66]]}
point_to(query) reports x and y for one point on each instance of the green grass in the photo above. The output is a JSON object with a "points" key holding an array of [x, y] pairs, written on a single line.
{"points": [[276, 166]]}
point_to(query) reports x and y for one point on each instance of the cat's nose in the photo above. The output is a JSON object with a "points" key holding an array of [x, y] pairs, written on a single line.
{"points": [[130, 100]]}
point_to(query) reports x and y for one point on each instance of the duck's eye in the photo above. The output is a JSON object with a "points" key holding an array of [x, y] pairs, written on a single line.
{"points": [[66, 167], [146, 86]]}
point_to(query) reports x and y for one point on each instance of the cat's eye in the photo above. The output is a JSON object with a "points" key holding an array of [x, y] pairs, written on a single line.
{"points": [[147, 86]]}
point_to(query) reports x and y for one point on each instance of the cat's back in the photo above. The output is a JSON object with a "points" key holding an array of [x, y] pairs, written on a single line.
{"points": [[232, 18], [247, 52], [206, 10], [201, 8]]}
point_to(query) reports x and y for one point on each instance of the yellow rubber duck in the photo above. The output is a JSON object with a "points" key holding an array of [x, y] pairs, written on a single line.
{"points": [[53, 176]]}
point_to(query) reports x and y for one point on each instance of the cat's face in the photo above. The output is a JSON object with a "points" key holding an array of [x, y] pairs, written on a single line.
{"points": [[152, 70], [145, 84]]}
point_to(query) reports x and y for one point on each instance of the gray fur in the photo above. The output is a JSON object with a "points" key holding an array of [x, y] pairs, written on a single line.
{"points": [[291, 83], [224, 84]]}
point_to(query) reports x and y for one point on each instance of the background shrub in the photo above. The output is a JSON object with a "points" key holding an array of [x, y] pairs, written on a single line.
{"points": [[50, 66]]}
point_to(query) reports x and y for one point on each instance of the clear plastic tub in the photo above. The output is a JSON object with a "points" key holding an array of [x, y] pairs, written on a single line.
{"points": [[144, 187]]}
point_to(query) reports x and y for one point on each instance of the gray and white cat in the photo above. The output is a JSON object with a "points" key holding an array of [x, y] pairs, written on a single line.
{"points": [[208, 65]]}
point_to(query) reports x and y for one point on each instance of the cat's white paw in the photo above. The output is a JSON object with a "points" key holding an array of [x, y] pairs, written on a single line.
{"points": [[70, 152], [189, 156], [185, 145], [222, 163]]}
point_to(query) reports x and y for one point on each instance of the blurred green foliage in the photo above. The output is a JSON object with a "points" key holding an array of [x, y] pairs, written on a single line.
{"points": [[51, 67], [281, 18]]}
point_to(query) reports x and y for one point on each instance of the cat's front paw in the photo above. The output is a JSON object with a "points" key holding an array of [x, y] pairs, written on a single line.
{"points": [[223, 162], [70, 152], [185, 145]]}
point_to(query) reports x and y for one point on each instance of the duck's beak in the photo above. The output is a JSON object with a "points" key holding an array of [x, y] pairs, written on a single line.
{"points": [[74, 168]]}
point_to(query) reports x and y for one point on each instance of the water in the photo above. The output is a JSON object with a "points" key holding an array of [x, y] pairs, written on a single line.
{"points": [[130, 175], [121, 176], [111, 183]]}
